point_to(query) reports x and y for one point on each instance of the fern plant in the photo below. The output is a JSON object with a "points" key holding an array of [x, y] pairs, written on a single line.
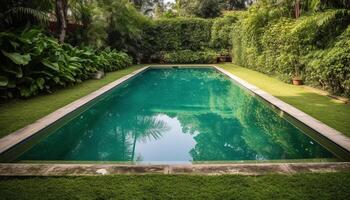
{"points": [[19, 12]]}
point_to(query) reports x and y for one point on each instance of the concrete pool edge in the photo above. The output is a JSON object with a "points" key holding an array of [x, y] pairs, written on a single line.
{"points": [[197, 169], [26, 132], [323, 129], [17, 137]]}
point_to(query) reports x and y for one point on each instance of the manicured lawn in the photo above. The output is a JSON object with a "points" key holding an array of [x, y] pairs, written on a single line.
{"points": [[299, 187], [19, 113], [330, 111]]}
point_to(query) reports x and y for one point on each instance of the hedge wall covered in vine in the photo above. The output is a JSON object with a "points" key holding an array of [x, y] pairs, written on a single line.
{"points": [[314, 47]]}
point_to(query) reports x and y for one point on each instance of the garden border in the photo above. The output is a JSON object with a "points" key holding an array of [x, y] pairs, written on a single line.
{"points": [[20, 135]]}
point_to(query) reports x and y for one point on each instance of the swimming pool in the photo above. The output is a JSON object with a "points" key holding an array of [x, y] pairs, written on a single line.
{"points": [[175, 115]]}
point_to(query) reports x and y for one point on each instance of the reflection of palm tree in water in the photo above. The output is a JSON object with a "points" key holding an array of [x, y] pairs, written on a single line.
{"points": [[147, 127]]}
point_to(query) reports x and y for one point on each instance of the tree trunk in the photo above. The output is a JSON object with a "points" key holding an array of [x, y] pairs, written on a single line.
{"points": [[61, 15], [297, 8]]}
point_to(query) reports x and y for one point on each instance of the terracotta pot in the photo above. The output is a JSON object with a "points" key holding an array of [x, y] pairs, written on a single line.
{"points": [[297, 81], [224, 59], [221, 59]]}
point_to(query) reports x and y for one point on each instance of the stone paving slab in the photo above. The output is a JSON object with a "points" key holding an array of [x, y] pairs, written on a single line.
{"points": [[195, 169]]}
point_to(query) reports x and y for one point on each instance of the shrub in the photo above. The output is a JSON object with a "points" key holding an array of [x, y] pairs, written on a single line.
{"points": [[111, 60], [190, 57], [330, 68], [33, 62]]}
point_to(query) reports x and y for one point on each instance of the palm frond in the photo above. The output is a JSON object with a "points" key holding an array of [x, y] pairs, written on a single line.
{"points": [[24, 11]]}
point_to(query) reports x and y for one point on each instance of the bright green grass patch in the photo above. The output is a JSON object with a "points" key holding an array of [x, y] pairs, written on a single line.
{"points": [[19, 113], [299, 186], [330, 111]]}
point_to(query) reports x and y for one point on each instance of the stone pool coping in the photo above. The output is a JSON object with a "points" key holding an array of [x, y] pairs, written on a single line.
{"points": [[20, 135], [198, 169]]}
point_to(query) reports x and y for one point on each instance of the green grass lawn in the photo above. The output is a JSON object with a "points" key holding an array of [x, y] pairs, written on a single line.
{"points": [[298, 187], [332, 112]]}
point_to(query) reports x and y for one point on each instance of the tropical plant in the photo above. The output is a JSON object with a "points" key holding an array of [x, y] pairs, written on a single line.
{"points": [[124, 25], [33, 62]]}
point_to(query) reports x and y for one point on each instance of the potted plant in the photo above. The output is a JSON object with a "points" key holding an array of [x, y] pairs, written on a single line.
{"points": [[297, 79], [224, 56]]}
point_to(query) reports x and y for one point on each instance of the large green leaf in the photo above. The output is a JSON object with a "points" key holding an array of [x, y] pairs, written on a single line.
{"points": [[40, 73], [40, 83], [11, 84], [15, 69], [18, 58], [3, 80], [51, 65], [25, 92]]}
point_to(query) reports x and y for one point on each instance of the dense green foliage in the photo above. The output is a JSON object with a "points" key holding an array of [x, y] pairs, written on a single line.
{"points": [[189, 57], [15, 13], [198, 8], [266, 38], [177, 34], [221, 32], [273, 186], [124, 27], [207, 8], [163, 38], [33, 62], [330, 67], [116, 24], [170, 35], [312, 47]]}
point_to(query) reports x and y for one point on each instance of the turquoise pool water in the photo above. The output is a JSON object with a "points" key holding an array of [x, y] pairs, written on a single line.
{"points": [[176, 116]]}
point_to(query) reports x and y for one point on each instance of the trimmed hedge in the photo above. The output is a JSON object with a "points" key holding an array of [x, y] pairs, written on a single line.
{"points": [[32, 62], [176, 34], [190, 57]]}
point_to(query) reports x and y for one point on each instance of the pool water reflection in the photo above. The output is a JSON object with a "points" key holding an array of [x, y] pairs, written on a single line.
{"points": [[177, 116]]}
